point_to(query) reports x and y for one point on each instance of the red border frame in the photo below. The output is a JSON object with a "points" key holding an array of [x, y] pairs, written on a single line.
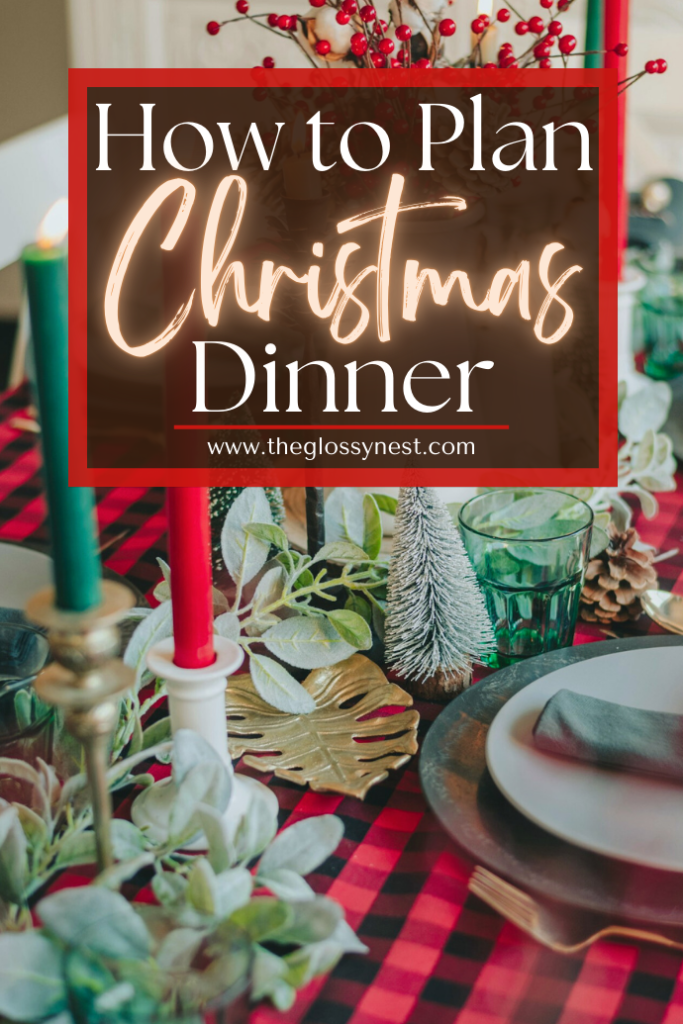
{"points": [[80, 474]]}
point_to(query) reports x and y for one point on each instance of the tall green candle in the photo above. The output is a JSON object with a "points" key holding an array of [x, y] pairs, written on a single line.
{"points": [[593, 34], [71, 509]]}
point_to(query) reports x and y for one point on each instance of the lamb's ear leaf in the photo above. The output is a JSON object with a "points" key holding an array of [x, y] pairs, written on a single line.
{"points": [[97, 919], [243, 553], [31, 981]]}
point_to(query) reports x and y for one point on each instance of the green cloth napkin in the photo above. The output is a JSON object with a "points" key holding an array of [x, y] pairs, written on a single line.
{"points": [[589, 729]]}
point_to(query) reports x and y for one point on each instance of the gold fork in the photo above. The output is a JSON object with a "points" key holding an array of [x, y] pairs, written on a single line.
{"points": [[562, 931]]}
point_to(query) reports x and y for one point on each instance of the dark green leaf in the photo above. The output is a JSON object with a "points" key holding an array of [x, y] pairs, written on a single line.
{"points": [[269, 533], [357, 603], [304, 579], [262, 917], [351, 627], [386, 503], [372, 527]]}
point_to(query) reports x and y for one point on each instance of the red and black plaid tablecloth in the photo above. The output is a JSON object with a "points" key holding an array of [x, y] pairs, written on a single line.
{"points": [[437, 954]]}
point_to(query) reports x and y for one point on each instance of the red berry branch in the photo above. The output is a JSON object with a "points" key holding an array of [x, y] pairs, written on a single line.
{"points": [[343, 31]]}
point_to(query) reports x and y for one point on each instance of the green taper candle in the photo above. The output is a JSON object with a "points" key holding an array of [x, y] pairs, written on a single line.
{"points": [[71, 509], [593, 34]]}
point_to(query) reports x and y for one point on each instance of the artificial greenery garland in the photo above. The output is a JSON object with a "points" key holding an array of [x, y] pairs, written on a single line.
{"points": [[221, 925]]}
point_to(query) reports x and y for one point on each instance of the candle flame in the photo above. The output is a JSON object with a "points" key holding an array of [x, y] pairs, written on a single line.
{"points": [[299, 134], [54, 225], [485, 7]]}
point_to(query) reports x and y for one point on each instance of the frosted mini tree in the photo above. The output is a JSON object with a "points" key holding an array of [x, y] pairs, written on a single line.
{"points": [[437, 624]]}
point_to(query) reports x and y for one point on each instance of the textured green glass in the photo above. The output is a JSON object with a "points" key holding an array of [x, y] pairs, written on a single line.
{"points": [[531, 577]]}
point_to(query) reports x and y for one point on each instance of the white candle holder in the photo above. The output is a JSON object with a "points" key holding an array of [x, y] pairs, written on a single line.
{"points": [[196, 700]]}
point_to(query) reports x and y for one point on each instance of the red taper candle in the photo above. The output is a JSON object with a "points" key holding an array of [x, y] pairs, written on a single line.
{"points": [[189, 555], [616, 31]]}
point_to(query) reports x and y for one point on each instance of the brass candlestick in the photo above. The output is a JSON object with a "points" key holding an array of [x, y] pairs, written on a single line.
{"points": [[86, 681]]}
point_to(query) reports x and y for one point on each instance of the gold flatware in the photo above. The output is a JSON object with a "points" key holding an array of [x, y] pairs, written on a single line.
{"points": [[559, 930], [664, 608]]}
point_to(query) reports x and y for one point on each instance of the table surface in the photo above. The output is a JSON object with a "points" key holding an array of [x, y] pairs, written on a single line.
{"points": [[437, 954]]}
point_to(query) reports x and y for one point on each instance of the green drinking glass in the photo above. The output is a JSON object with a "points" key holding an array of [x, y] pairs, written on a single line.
{"points": [[662, 324], [529, 549]]}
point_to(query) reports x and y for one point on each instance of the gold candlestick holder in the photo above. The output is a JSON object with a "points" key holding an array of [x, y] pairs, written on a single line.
{"points": [[86, 681]]}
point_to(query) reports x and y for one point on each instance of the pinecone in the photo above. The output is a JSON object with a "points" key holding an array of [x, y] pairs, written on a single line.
{"points": [[616, 578]]}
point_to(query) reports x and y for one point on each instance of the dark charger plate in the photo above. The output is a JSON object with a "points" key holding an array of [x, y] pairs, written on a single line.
{"points": [[472, 809]]}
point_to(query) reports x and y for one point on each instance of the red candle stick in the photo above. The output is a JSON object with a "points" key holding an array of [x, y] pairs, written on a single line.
{"points": [[616, 31], [189, 549]]}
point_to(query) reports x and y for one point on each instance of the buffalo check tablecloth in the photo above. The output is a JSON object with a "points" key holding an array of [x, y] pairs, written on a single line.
{"points": [[437, 954]]}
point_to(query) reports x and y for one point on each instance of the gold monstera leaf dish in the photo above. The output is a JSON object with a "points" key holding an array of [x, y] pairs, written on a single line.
{"points": [[323, 748]]}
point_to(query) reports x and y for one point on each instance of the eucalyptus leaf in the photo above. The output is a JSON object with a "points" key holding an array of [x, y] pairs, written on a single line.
{"points": [[286, 884], [228, 626], [157, 732], [206, 783], [243, 553], [621, 512], [77, 848], [222, 853], [115, 998], [157, 626], [257, 827], [643, 454], [126, 839], [23, 709], [179, 948], [169, 888], [385, 503], [351, 627], [232, 890], [277, 686], [346, 938], [269, 587], [307, 642], [527, 513], [304, 579], [114, 876], [646, 409], [344, 516], [31, 983], [379, 621], [189, 750], [34, 827], [162, 591], [303, 846], [13, 857], [321, 957], [599, 541], [341, 551], [311, 921], [98, 919], [648, 502], [262, 917], [200, 888], [372, 527], [358, 604], [269, 533], [268, 975]]}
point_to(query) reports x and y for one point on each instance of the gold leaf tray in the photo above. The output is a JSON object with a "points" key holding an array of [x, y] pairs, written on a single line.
{"points": [[322, 748]]}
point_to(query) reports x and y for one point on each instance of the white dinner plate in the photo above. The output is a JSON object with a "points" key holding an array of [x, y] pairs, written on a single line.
{"points": [[619, 814], [23, 571]]}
